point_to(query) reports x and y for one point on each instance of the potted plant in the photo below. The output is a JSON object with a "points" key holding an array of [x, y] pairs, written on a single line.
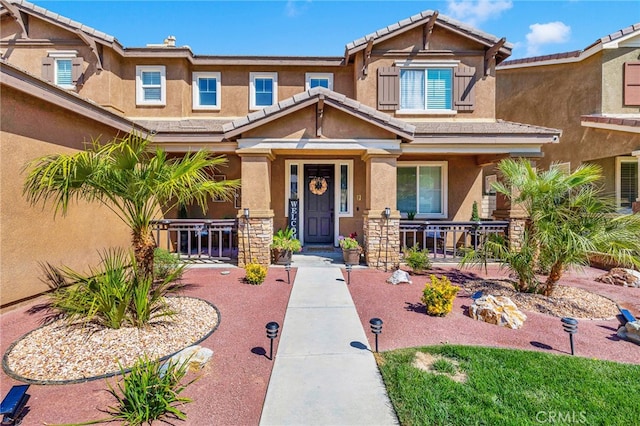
{"points": [[283, 245], [350, 249]]}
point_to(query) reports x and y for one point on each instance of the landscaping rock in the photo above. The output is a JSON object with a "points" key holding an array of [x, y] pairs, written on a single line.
{"points": [[197, 356], [498, 310], [398, 277], [622, 277], [630, 331]]}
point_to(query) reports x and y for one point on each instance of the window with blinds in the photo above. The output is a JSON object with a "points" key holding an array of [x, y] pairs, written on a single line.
{"points": [[150, 85], [628, 183], [63, 72], [426, 89]]}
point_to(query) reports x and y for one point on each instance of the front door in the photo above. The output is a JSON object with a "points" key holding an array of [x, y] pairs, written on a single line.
{"points": [[318, 203]]}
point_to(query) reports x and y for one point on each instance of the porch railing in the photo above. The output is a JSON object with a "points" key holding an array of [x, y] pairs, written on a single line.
{"points": [[198, 238], [446, 239]]}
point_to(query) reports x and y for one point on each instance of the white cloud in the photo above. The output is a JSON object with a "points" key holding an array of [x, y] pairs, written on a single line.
{"points": [[474, 12], [295, 8], [543, 34]]}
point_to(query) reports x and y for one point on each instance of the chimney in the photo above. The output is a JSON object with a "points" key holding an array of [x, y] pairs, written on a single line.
{"points": [[170, 41]]}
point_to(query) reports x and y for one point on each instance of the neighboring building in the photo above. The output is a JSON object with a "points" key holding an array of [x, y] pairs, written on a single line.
{"points": [[405, 119], [593, 95]]}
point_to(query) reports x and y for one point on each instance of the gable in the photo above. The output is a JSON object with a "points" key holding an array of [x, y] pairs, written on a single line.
{"points": [[440, 39]]}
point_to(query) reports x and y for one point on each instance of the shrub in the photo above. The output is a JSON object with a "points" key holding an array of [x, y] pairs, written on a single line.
{"points": [[438, 296], [165, 264], [416, 259], [150, 392], [285, 240], [256, 273], [112, 295]]}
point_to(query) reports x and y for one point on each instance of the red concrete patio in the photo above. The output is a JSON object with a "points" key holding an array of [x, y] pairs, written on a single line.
{"points": [[232, 387]]}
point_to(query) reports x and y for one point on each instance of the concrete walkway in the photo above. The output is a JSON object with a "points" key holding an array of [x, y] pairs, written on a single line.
{"points": [[324, 374]]}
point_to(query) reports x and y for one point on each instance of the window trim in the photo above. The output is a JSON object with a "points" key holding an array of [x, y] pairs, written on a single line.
{"points": [[139, 87], [252, 88], [563, 167], [195, 76], [444, 197], [619, 161], [317, 75], [425, 65], [65, 55]]}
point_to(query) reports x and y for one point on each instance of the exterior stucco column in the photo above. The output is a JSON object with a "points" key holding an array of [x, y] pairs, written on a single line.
{"points": [[255, 233], [381, 234], [517, 217], [636, 205]]}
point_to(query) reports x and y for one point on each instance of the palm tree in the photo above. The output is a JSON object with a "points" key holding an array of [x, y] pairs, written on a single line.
{"points": [[130, 179], [569, 219]]}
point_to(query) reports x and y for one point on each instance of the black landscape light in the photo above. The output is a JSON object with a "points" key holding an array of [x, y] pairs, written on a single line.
{"points": [[387, 215], [287, 268], [376, 328], [570, 325], [387, 212], [272, 333], [349, 266], [246, 213]]}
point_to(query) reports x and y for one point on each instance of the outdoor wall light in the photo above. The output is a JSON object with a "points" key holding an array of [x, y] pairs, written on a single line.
{"points": [[570, 325], [287, 268], [272, 333], [376, 328], [387, 212], [349, 266], [246, 213]]}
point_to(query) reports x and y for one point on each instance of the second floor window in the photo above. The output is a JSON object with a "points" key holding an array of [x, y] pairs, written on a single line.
{"points": [[63, 68], [316, 79], [150, 85], [263, 89], [426, 89], [206, 90]]}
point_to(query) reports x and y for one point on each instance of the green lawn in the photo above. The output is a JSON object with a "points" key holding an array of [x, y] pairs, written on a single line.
{"points": [[511, 387]]}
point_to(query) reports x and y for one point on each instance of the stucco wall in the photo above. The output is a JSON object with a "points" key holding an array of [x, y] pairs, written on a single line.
{"points": [[31, 235], [613, 79]]}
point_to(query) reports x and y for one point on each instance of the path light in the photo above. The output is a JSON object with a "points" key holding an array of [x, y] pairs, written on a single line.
{"points": [[287, 268], [246, 213], [570, 325], [387, 215], [272, 333], [376, 328], [387, 212], [349, 266]]}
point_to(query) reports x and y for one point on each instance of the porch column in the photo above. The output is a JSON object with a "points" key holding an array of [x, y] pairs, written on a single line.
{"points": [[381, 235], [515, 214], [636, 205], [255, 233]]}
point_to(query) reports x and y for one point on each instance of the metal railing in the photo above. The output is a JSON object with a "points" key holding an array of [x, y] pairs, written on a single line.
{"points": [[447, 239], [198, 238]]}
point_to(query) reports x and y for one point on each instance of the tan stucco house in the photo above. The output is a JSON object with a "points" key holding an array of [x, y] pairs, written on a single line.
{"points": [[593, 95], [405, 119]]}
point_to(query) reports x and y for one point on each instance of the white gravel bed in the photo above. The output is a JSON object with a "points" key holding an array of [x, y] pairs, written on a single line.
{"points": [[58, 352], [565, 301]]}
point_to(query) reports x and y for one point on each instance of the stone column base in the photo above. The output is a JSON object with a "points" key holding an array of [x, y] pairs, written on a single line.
{"points": [[636, 206], [381, 242], [254, 240], [516, 233]]}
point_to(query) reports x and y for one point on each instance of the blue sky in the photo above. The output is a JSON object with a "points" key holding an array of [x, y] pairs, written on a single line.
{"points": [[322, 28]]}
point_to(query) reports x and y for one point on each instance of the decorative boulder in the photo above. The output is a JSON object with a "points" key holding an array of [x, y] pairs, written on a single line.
{"points": [[630, 331], [498, 310], [197, 356], [621, 276], [399, 277]]}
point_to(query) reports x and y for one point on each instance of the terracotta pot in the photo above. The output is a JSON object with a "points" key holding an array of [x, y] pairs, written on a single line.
{"points": [[351, 256]]}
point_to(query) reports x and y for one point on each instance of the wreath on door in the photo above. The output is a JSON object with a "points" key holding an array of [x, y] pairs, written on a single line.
{"points": [[318, 185]]}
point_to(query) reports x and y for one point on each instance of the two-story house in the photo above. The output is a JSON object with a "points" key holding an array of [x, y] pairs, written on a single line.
{"points": [[403, 122], [593, 95]]}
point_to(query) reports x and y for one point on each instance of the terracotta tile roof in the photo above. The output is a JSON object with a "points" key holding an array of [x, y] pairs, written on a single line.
{"points": [[422, 18], [576, 53], [621, 120], [330, 97], [498, 127], [193, 125], [52, 16]]}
